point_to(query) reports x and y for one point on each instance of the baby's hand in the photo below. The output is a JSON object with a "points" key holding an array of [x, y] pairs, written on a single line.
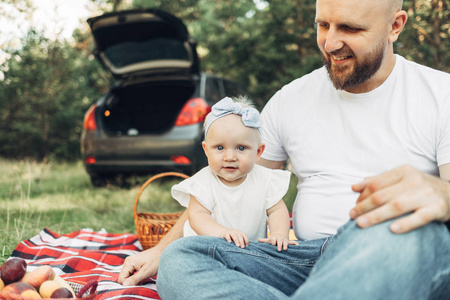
{"points": [[281, 241], [239, 238]]}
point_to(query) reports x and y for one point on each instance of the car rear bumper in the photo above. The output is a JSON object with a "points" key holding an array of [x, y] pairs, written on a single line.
{"points": [[143, 154], [138, 167]]}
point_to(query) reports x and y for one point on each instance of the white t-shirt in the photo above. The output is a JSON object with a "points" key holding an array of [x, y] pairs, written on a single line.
{"points": [[242, 207], [335, 139]]}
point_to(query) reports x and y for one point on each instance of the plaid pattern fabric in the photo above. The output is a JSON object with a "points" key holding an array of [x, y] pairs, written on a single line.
{"points": [[86, 255]]}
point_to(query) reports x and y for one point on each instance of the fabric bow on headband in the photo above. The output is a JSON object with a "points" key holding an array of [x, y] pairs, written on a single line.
{"points": [[226, 106]]}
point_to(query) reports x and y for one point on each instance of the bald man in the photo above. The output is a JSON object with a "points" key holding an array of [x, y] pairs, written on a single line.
{"points": [[368, 136]]}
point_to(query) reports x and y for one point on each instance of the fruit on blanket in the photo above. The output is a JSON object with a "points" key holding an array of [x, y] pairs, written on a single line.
{"points": [[27, 284], [18, 287], [48, 287], [13, 270], [39, 276], [62, 293], [31, 294]]}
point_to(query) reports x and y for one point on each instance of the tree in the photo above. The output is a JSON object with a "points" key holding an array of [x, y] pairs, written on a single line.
{"points": [[43, 98], [426, 38], [264, 48], [13, 11]]}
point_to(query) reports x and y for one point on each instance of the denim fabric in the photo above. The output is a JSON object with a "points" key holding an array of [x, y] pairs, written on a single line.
{"points": [[357, 263], [205, 268], [374, 263]]}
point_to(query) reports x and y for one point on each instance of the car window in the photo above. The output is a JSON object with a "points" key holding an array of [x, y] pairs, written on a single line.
{"points": [[128, 53], [212, 92], [232, 89]]}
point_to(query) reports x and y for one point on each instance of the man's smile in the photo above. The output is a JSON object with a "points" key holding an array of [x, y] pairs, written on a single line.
{"points": [[340, 59]]}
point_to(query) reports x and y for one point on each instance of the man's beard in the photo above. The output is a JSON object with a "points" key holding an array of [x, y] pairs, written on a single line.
{"points": [[343, 79]]}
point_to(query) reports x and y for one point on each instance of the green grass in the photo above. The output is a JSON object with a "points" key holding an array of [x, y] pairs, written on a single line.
{"points": [[60, 197]]}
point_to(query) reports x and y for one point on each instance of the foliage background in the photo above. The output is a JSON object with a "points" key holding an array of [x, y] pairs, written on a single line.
{"points": [[46, 85]]}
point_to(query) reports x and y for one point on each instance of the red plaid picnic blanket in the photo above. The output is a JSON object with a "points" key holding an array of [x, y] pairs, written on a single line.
{"points": [[86, 255]]}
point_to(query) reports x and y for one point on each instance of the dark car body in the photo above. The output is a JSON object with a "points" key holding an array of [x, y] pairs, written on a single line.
{"points": [[151, 119]]}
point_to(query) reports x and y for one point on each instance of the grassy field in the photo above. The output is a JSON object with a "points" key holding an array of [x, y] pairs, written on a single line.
{"points": [[60, 197]]}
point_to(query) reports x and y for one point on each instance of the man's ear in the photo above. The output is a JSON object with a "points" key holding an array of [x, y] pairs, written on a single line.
{"points": [[260, 150], [397, 25]]}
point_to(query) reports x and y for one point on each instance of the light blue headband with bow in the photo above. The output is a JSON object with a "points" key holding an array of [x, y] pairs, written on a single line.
{"points": [[226, 106]]}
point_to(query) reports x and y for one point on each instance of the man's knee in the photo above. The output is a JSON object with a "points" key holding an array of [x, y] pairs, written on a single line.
{"points": [[175, 261], [181, 247], [381, 232], [183, 250]]}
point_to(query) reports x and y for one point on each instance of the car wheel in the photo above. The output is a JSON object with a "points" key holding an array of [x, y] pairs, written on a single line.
{"points": [[102, 180], [98, 181]]}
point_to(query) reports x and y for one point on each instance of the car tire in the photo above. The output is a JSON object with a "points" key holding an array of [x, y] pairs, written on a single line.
{"points": [[98, 181], [111, 179]]}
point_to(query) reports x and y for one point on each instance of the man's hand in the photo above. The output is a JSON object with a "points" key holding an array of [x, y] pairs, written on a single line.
{"points": [[398, 192], [139, 266], [145, 264]]}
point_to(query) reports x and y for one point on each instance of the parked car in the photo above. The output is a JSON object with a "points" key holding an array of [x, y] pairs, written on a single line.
{"points": [[151, 120]]}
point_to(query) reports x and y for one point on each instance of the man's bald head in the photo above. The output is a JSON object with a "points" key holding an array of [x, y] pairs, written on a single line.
{"points": [[396, 5], [390, 7]]}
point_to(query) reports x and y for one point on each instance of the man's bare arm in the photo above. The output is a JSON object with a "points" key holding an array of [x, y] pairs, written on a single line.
{"points": [[145, 264], [271, 164]]}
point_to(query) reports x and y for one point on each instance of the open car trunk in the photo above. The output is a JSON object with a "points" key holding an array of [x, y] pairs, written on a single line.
{"points": [[139, 42], [150, 108]]}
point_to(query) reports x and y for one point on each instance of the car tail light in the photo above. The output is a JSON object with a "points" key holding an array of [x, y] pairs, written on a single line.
{"points": [[194, 111], [89, 118], [90, 160], [181, 160]]}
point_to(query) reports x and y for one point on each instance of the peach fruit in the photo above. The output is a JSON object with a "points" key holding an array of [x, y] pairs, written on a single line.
{"points": [[31, 294], [13, 270], [48, 287], [39, 275], [18, 287], [2, 284], [62, 293]]}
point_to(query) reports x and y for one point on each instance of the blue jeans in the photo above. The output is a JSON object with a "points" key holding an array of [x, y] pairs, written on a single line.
{"points": [[370, 263]]}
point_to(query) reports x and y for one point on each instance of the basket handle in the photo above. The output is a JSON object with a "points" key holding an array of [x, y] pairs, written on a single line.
{"points": [[165, 174], [92, 285]]}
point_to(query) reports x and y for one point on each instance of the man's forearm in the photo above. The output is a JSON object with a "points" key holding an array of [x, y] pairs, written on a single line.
{"points": [[175, 233]]}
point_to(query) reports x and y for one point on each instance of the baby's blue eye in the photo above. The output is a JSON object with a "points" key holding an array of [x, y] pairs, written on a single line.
{"points": [[241, 148], [219, 147]]}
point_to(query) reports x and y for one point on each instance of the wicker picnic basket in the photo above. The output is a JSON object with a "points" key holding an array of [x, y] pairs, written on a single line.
{"points": [[151, 227]]}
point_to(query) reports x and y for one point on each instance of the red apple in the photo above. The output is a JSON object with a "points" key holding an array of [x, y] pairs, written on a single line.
{"points": [[61, 293], [13, 270]]}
